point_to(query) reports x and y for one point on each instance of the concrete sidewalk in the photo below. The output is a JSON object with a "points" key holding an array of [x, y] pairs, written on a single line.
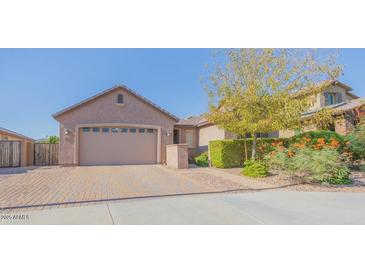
{"points": [[267, 207]]}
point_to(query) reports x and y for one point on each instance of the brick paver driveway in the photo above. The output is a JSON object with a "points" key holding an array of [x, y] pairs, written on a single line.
{"points": [[69, 185]]}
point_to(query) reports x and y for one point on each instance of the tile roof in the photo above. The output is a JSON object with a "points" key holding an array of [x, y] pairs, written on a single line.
{"points": [[193, 121], [7, 131], [339, 108], [109, 91]]}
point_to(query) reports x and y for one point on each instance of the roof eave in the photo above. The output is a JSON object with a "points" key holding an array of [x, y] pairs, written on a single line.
{"points": [[17, 135], [72, 107]]}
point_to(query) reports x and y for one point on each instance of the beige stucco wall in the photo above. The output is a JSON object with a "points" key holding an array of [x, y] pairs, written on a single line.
{"points": [[344, 125], [104, 110], [289, 132], [202, 136], [182, 138], [177, 156], [209, 133]]}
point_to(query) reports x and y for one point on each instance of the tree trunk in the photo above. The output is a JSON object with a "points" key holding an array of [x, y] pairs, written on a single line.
{"points": [[245, 148], [254, 147]]}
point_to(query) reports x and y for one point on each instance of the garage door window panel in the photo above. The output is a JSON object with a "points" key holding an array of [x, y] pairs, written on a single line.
{"points": [[96, 129], [132, 130], [124, 130], [141, 130], [105, 130], [115, 130], [86, 129]]}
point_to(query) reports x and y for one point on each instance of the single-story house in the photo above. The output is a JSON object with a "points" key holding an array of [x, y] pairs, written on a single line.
{"points": [[116, 126], [26, 145], [119, 126]]}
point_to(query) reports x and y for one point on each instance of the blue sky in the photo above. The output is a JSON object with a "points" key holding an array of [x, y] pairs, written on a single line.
{"points": [[35, 83]]}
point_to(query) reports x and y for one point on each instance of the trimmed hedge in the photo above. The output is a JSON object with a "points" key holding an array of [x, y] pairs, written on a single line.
{"points": [[230, 153]]}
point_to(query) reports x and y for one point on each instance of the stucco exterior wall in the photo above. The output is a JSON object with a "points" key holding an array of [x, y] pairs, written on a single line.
{"points": [[177, 156], [345, 125], [105, 110], [209, 133]]}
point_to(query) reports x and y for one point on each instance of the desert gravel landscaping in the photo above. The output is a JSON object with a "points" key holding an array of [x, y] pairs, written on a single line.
{"points": [[284, 182]]}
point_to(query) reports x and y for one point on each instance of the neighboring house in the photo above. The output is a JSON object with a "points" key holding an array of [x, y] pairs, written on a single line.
{"points": [[196, 131], [26, 145], [119, 126], [347, 109]]}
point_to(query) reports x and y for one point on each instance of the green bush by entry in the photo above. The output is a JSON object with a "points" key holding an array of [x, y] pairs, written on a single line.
{"points": [[256, 169], [202, 159], [230, 153]]}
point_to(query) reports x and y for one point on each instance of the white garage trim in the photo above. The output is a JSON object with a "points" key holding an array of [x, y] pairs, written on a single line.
{"points": [[77, 137]]}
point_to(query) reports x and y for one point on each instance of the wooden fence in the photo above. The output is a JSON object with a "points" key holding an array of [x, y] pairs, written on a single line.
{"points": [[10, 153], [45, 154]]}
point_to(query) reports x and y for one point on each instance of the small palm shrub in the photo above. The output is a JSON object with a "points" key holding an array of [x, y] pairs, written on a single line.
{"points": [[256, 169], [325, 165], [202, 159]]}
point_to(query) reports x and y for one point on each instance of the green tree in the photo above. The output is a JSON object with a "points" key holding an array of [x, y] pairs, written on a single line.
{"points": [[265, 90], [53, 139]]}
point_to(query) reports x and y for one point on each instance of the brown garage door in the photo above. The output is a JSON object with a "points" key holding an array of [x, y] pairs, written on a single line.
{"points": [[117, 146]]}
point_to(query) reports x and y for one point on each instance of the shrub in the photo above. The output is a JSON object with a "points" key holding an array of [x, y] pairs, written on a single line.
{"points": [[356, 142], [256, 169], [226, 153], [325, 165], [318, 140], [202, 159], [53, 139], [231, 153]]}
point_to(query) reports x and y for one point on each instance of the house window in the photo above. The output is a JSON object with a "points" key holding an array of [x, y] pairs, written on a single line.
{"points": [[105, 130], [96, 129], [190, 139], [258, 135], [332, 98], [132, 130], [124, 130], [86, 129], [120, 99], [141, 130]]}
